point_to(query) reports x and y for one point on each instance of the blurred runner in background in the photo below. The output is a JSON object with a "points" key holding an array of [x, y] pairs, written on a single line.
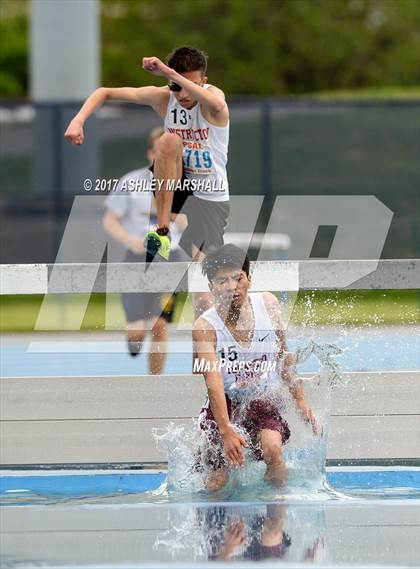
{"points": [[130, 213]]}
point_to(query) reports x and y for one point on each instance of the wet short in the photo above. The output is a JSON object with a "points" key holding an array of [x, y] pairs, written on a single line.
{"points": [[258, 415], [256, 551], [147, 305]]}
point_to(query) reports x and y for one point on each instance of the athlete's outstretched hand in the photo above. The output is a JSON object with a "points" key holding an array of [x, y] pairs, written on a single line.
{"points": [[233, 444], [156, 66], [74, 133], [235, 536]]}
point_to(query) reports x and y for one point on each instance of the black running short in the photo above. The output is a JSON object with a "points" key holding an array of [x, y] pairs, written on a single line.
{"points": [[207, 221]]}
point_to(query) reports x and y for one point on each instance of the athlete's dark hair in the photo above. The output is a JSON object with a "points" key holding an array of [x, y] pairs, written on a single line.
{"points": [[227, 256], [185, 58]]}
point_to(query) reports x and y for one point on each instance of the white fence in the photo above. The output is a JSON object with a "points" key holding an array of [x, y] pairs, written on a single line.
{"points": [[168, 277]]}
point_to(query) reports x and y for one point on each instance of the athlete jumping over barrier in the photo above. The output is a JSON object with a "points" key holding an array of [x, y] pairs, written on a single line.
{"points": [[191, 156]]}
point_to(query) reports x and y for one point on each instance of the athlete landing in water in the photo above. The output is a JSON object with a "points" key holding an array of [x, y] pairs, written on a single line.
{"points": [[241, 349]]}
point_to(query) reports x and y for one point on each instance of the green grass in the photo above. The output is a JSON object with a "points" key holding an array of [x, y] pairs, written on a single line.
{"points": [[371, 93], [357, 307], [60, 312], [67, 312]]}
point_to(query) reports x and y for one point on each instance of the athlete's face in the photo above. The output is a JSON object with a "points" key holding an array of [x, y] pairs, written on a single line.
{"points": [[230, 287], [184, 98]]}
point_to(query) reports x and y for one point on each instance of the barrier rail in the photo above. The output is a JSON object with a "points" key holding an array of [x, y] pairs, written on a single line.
{"points": [[168, 277]]}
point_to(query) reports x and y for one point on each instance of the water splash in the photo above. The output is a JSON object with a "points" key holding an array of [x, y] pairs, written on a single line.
{"points": [[252, 532], [304, 453], [325, 353]]}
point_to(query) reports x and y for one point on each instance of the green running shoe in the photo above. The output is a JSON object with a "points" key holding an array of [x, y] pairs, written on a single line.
{"points": [[156, 244]]}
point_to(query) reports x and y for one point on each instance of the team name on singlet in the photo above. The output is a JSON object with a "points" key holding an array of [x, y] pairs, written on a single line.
{"points": [[197, 156], [191, 134]]}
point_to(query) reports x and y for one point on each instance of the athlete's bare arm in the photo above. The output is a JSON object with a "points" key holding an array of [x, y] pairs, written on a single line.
{"points": [[274, 311], [204, 339], [112, 224], [155, 97], [288, 371], [212, 100]]}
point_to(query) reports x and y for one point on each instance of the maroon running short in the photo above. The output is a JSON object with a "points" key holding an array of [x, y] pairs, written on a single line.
{"points": [[258, 415]]}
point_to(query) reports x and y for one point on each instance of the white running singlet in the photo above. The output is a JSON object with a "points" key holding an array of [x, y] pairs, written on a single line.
{"points": [[246, 370], [205, 150]]}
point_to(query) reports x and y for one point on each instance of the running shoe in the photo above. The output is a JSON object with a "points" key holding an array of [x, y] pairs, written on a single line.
{"points": [[134, 348], [156, 244]]}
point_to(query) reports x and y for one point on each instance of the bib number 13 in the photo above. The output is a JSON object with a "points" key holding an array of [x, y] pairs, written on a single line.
{"points": [[182, 116]]}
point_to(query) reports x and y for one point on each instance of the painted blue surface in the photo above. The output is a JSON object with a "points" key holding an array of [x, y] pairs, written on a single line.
{"points": [[106, 484], [375, 479], [384, 351], [81, 484]]}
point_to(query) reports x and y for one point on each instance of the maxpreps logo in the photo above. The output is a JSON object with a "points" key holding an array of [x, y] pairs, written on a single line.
{"points": [[256, 366]]}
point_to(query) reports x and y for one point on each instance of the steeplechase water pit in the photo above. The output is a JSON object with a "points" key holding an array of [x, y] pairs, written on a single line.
{"points": [[97, 469]]}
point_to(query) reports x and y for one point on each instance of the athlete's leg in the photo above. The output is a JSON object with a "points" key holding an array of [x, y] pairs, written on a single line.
{"points": [[217, 479], [202, 301], [211, 456], [136, 332], [272, 530], [167, 166], [157, 354], [271, 443]]}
